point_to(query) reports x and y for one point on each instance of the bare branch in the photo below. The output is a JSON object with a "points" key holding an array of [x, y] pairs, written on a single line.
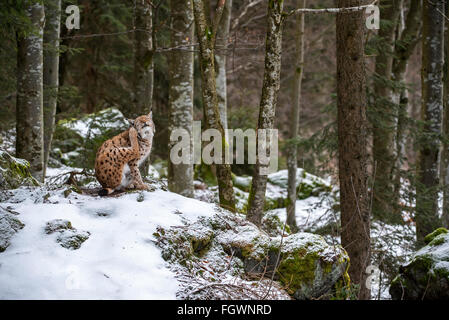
{"points": [[218, 15], [331, 10], [244, 12]]}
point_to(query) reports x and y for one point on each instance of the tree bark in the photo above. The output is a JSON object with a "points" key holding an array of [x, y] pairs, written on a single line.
{"points": [[385, 115], [180, 176], [220, 60], [206, 33], [445, 154], [51, 73], [409, 37], [29, 108], [292, 157], [143, 60], [267, 109], [352, 141], [431, 111]]}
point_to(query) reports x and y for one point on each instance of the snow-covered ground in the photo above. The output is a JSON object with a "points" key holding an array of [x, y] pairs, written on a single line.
{"points": [[118, 261], [121, 260]]}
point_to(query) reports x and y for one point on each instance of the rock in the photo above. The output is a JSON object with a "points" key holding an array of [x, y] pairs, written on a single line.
{"points": [[307, 266], [306, 184], [243, 183], [57, 225], [76, 140], [9, 225], [72, 239], [429, 238], [68, 237], [206, 174], [272, 224], [14, 172], [426, 275]]}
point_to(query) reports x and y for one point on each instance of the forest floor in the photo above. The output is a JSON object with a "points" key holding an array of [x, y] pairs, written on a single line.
{"points": [[122, 228]]}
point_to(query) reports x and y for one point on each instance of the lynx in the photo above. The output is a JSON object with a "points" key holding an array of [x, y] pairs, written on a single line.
{"points": [[118, 159]]}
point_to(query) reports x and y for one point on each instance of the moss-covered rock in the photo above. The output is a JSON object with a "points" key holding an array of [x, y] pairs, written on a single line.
{"points": [[272, 224], [306, 184], [205, 173], [304, 263], [431, 236], [14, 172], [242, 182], [276, 194], [72, 239], [57, 225], [9, 225], [67, 236], [426, 275]]}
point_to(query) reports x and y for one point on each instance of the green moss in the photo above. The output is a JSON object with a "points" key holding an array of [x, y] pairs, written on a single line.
{"points": [[15, 172], [200, 245], [437, 240], [298, 269], [204, 173], [442, 273], [434, 234]]}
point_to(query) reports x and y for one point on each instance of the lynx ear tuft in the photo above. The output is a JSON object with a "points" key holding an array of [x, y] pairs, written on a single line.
{"points": [[131, 121]]}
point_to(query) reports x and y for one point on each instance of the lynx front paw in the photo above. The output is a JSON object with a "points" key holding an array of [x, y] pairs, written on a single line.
{"points": [[142, 187]]}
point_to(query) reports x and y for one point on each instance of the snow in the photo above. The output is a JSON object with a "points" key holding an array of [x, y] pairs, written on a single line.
{"points": [[118, 261], [311, 213]]}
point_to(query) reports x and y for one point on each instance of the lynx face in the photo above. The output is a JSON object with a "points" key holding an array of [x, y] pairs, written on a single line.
{"points": [[144, 126]]}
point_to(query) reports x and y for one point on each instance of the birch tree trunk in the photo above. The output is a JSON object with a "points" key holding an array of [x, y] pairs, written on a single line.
{"points": [[220, 60], [51, 72], [352, 141], [29, 107], [206, 34], [180, 176], [385, 115], [267, 109], [445, 155], [432, 105], [292, 157]]}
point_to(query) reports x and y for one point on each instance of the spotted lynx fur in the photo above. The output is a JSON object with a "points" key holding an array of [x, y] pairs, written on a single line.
{"points": [[118, 159]]}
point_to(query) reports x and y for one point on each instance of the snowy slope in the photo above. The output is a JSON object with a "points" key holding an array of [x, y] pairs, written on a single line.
{"points": [[118, 261]]}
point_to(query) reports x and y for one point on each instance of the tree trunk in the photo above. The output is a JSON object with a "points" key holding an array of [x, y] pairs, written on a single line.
{"points": [[267, 109], [143, 60], [180, 176], [445, 155], [220, 60], [292, 157], [206, 33], [51, 73], [432, 104], [29, 108], [352, 141], [405, 46], [385, 115]]}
